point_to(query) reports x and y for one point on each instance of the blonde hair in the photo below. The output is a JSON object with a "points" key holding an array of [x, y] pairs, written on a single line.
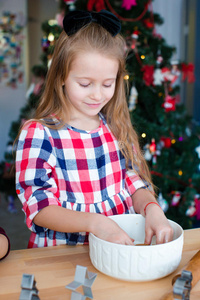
{"points": [[93, 37]]}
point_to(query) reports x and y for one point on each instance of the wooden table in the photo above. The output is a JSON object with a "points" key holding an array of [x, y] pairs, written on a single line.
{"points": [[54, 268]]}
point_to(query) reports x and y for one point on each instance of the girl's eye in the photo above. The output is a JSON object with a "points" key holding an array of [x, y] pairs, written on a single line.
{"points": [[107, 86], [84, 85]]}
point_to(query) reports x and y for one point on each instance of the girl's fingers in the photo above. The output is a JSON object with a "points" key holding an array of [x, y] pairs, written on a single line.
{"points": [[148, 236], [160, 238], [129, 242], [164, 236]]}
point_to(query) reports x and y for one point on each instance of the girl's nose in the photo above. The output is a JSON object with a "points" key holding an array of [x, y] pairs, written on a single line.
{"points": [[96, 94]]}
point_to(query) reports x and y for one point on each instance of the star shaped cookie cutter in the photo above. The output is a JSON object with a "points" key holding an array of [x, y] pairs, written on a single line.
{"points": [[29, 290], [182, 286], [82, 278]]}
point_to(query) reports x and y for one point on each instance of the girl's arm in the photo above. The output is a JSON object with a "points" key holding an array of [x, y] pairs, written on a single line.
{"points": [[156, 222], [64, 220]]}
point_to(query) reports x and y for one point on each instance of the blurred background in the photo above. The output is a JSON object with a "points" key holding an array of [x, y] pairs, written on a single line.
{"points": [[163, 73]]}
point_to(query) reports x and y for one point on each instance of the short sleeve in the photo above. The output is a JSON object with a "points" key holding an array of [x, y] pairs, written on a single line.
{"points": [[35, 172]]}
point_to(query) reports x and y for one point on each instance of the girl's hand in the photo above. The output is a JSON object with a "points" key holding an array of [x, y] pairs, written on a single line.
{"points": [[157, 224], [108, 230]]}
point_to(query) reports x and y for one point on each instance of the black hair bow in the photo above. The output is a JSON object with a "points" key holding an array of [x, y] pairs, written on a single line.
{"points": [[75, 20]]}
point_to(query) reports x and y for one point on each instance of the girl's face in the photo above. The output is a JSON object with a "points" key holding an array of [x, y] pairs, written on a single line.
{"points": [[90, 84]]}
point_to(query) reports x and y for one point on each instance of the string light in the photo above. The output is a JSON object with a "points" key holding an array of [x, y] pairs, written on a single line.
{"points": [[142, 56], [52, 22], [126, 77], [180, 172], [51, 37], [173, 141], [143, 135]]}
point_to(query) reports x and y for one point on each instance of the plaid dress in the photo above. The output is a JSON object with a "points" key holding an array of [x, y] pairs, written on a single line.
{"points": [[76, 169]]}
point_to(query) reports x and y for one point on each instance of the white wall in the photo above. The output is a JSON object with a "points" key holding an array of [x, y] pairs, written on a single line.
{"points": [[11, 100], [172, 13]]}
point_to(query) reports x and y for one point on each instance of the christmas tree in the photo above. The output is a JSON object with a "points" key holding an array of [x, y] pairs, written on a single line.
{"points": [[168, 137]]}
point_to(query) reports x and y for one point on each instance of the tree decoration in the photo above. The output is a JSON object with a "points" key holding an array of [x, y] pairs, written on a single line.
{"points": [[191, 211], [154, 151], [159, 59], [188, 72], [132, 42], [134, 39], [148, 71], [166, 142], [127, 4], [71, 4], [148, 23], [152, 146], [169, 103], [132, 45], [147, 153], [133, 98], [175, 67], [194, 209], [163, 203], [176, 198], [96, 4], [197, 150], [169, 74], [158, 77]]}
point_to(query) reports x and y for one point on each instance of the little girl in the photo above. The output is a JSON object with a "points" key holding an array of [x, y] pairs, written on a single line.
{"points": [[78, 161]]}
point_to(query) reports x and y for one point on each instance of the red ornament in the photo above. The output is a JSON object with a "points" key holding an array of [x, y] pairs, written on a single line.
{"points": [[166, 142], [148, 72], [152, 146], [188, 72], [97, 4], [169, 104], [148, 23], [168, 75]]}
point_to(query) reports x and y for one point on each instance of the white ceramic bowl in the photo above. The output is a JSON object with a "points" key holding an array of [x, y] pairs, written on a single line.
{"points": [[136, 263]]}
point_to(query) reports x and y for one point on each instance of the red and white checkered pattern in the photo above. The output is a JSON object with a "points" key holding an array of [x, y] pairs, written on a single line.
{"points": [[72, 168]]}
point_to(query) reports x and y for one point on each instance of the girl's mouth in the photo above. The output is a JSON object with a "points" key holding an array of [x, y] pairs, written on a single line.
{"points": [[92, 105]]}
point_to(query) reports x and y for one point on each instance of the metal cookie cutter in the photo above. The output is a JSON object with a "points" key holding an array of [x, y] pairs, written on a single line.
{"points": [[82, 278], [182, 286], [29, 290]]}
